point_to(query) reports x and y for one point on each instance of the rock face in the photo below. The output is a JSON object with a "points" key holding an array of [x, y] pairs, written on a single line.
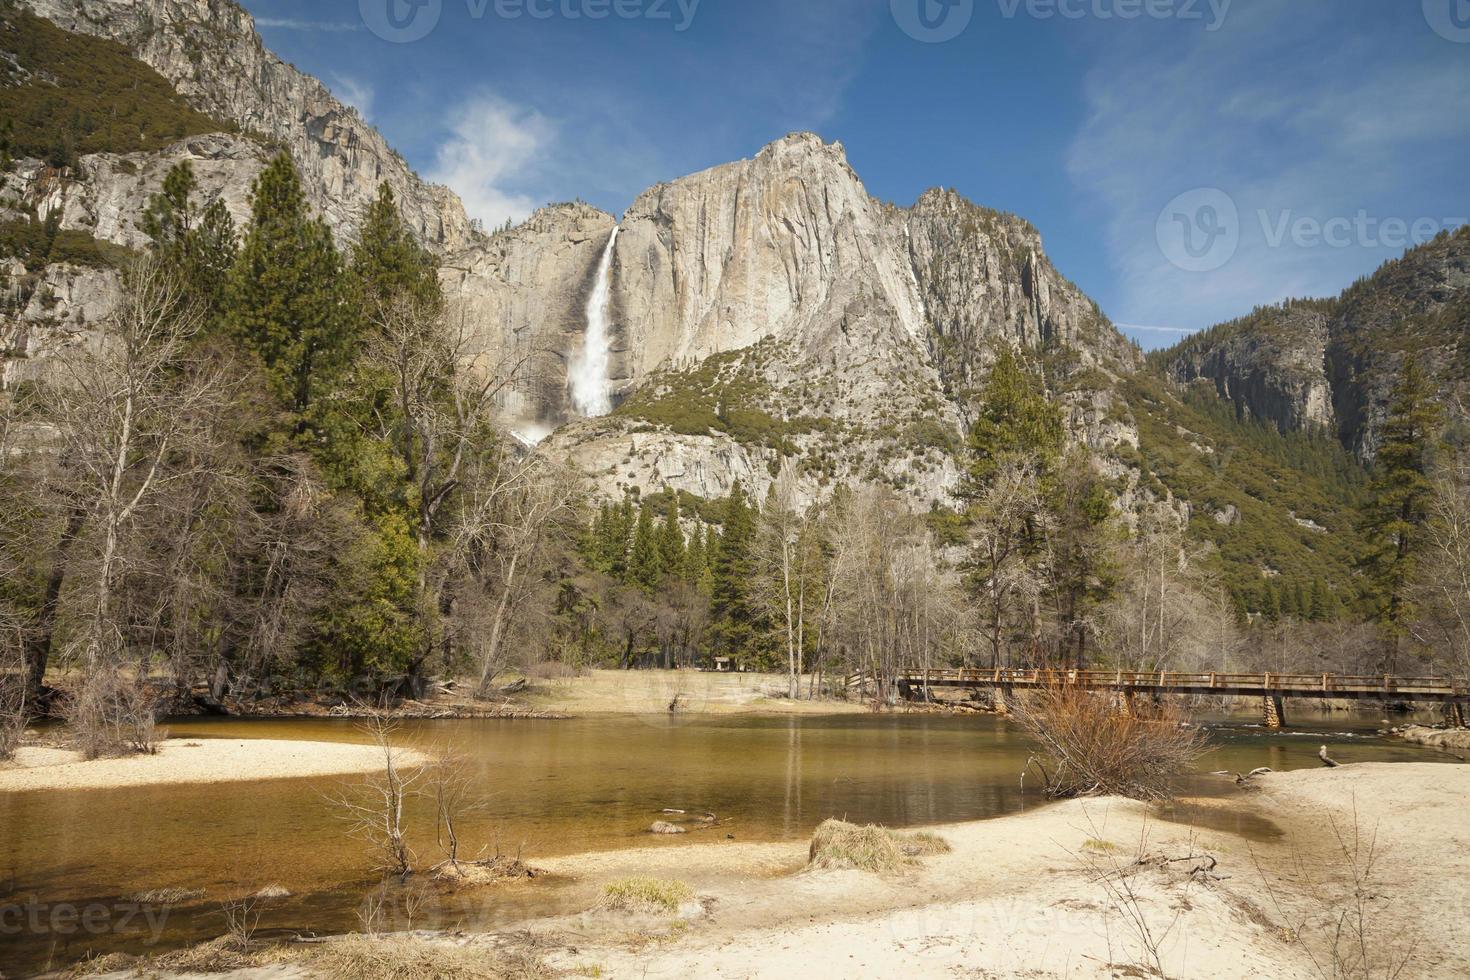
{"points": [[766, 313], [1334, 363], [524, 292], [1272, 365], [210, 51], [804, 320]]}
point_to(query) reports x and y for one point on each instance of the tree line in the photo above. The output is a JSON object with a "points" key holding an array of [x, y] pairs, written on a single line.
{"points": [[281, 466]]}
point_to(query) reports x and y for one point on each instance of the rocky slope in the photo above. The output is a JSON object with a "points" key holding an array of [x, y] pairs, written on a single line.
{"points": [[210, 51], [1333, 363]]}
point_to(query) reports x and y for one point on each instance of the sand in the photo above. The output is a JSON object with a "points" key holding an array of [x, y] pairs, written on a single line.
{"points": [[643, 692], [1029, 894], [1060, 892], [181, 762]]}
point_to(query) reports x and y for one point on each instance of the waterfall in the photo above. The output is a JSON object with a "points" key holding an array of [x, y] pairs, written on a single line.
{"points": [[589, 373]]}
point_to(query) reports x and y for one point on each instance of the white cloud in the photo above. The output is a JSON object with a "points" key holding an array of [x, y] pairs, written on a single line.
{"points": [[291, 24], [492, 156], [355, 93], [1292, 109]]}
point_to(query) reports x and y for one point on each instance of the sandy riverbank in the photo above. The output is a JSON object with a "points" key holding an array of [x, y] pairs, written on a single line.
{"points": [[645, 692], [181, 762], [1369, 856]]}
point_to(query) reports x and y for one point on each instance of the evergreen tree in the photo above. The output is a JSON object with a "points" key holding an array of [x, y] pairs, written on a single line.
{"points": [[388, 263], [1016, 422], [733, 623], [1271, 602], [671, 546], [1317, 602], [285, 296], [200, 248], [1400, 497], [646, 566], [696, 559]]}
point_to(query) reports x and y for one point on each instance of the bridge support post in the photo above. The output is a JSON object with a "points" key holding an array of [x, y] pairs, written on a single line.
{"points": [[1002, 697], [1454, 715], [1275, 712], [1126, 707]]}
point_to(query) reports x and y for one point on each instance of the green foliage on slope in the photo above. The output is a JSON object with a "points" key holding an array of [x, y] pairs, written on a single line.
{"points": [[64, 94], [725, 393], [41, 243], [1275, 482]]}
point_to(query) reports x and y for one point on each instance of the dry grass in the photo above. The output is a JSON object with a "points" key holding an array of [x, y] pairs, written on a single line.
{"points": [[407, 958], [14, 709], [649, 895], [112, 715], [844, 846], [1094, 747], [167, 896]]}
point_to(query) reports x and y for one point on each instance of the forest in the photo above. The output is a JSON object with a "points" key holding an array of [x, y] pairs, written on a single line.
{"points": [[280, 470]]}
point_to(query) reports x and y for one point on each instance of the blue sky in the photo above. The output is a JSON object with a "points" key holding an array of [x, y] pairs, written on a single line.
{"points": [[1185, 160]]}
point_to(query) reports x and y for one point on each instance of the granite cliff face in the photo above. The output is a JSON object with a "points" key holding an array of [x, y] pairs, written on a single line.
{"points": [[764, 311], [772, 309], [210, 51], [1333, 363]]}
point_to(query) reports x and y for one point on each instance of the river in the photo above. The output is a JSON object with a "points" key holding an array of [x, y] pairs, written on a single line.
{"points": [[550, 788]]}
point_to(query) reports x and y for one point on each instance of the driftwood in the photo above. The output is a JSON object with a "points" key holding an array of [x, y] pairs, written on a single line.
{"points": [[1327, 759], [1242, 780]]}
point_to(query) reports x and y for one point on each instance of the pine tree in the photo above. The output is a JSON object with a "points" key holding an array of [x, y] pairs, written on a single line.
{"points": [[285, 296], [645, 566], [1016, 422], [1401, 494], [1271, 602], [1317, 602], [388, 263], [695, 569], [671, 545], [200, 248], [733, 628]]}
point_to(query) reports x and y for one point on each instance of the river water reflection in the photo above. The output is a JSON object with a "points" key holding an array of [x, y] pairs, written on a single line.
{"points": [[552, 788]]}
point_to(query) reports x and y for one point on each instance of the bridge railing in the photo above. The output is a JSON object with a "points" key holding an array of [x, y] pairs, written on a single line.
{"points": [[1196, 681]]}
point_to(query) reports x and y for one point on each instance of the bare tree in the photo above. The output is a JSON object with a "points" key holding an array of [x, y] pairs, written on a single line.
{"points": [[119, 410], [509, 522], [1008, 586], [1442, 588], [1168, 610], [453, 785], [374, 811], [786, 560]]}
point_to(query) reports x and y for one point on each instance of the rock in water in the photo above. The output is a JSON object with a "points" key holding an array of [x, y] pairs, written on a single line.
{"points": [[663, 827]]}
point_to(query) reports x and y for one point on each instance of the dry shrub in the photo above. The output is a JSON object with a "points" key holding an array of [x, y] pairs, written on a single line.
{"points": [[651, 895], [1094, 747], [375, 810], [837, 845], [14, 712], [110, 715], [167, 896], [406, 958], [1338, 909]]}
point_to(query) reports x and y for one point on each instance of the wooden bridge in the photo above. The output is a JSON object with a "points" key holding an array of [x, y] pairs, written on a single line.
{"points": [[1273, 689]]}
